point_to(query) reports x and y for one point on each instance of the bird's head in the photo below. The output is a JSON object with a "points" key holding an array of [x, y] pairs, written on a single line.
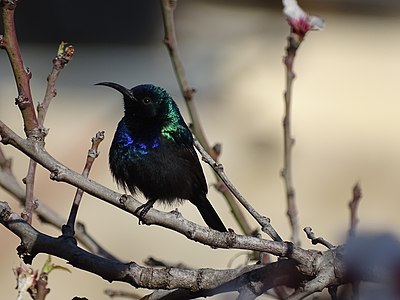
{"points": [[144, 102]]}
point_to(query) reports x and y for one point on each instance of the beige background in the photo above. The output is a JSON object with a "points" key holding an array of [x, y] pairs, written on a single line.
{"points": [[345, 121]]}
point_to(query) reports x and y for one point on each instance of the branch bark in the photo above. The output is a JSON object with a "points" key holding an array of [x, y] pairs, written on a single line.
{"points": [[327, 268], [172, 220], [22, 76], [201, 281], [93, 153], [218, 168], [45, 214]]}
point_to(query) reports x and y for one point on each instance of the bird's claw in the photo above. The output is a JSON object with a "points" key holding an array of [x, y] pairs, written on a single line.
{"points": [[143, 210]]}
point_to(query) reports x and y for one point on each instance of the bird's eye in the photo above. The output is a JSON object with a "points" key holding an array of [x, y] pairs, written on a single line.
{"points": [[146, 100]]}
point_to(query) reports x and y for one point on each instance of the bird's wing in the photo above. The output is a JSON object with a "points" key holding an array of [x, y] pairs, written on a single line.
{"points": [[184, 141]]}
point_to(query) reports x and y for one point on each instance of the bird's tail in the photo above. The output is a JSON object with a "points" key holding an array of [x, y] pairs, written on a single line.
{"points": [[209, 214]]}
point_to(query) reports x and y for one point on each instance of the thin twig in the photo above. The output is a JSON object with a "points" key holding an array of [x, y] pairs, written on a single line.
{"points": [[317, 240], [33, 127], [218, 168], [5, 164], [30, 202], [154, 262], [287, 171], [300, 23], [170, 41], [93, 153], [46, 215], [123, 294], [24, 100], [353, 205], [22, 76], [236, 256], [64, 55]]}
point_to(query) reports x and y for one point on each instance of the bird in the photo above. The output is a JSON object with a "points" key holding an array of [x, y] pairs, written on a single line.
{"points": [[153, 152]]}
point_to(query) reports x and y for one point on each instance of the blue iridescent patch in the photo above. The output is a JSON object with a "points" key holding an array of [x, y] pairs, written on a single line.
{"points": [[126, 139], [138, 147]]}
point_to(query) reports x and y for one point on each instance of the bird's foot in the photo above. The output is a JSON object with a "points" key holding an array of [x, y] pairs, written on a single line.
{"points": [[144, 209]]}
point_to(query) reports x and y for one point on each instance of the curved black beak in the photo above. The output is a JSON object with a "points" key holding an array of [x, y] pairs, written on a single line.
{"points": [[123, 90]]}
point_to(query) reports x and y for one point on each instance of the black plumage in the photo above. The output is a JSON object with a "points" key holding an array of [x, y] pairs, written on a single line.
{"points": [[152, 151]]}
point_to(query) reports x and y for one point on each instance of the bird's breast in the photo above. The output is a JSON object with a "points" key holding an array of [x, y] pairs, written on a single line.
{"points": [[139, 147], [130, 145]]}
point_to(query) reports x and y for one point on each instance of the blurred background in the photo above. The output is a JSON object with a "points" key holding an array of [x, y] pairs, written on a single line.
{"points": [[345, 117]]}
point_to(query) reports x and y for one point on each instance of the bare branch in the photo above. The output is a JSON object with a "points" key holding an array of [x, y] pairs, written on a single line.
{"points": [[22, 76], [218, 168], [257, 282], [64, 55], [317, 240], [30, 202], [122, 294], [5, 164], [353, 205], [196, 281], [9, 183], [170, 40], [287, 171], [24, 100], [93, 153], [153, 262], [300, 23], [172, 220], [33, 126]]}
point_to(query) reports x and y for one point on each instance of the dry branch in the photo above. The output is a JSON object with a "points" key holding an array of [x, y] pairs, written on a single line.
{"points": [[168, 7]]}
